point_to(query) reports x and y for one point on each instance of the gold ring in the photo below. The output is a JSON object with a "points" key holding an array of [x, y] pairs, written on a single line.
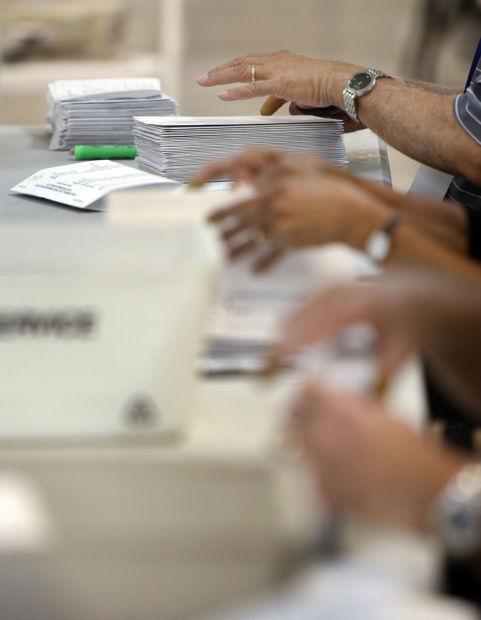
{"points": [[253, 73]]}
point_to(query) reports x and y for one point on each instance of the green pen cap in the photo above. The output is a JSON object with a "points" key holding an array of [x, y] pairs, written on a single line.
{"points": [[105, 152]]}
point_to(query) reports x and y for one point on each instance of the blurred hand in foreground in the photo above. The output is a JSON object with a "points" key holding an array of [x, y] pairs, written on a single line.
{"points": [[368, 464], [435, 312], [299, 201]]}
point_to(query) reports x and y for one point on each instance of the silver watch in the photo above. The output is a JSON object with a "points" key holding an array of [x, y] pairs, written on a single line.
{"points": [[458, 512], [378, 244], [357, 86]]}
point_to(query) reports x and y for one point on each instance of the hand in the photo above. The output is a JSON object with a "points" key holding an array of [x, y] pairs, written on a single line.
{"points": [[296, 206], [254, 162], [287, 76], [367, 463], [410, 310]]}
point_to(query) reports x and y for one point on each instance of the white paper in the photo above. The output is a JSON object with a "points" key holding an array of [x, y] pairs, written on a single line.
{"points": [[81, 184], [227, 121], [102, 111], [66, 89], [179, 146]]}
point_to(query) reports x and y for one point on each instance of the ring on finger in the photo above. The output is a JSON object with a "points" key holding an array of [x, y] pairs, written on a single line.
{"points": [[253, 73]]}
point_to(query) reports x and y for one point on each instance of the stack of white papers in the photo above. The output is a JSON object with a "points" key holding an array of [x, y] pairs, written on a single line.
{"points": [[178, 146], [102, 111]]}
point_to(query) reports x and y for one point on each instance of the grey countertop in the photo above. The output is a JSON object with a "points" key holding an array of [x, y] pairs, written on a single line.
{"points": [[24, 150]]}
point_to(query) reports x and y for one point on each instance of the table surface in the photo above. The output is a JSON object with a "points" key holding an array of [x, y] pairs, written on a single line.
{"points": [[86, 488], [25, 151]]}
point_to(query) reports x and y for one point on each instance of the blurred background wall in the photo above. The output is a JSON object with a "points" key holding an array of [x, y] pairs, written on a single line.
{"points": [[44, 40]]}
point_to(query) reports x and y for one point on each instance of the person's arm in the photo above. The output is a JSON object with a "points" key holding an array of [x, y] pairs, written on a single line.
{"points": [[445, 222], [308, 207], [368, 464], [418, 122], [433, 88], [436, 311]]}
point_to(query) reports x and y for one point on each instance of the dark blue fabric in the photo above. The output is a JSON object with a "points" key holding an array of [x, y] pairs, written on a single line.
{"points": [[474, 65], [467, 108]]}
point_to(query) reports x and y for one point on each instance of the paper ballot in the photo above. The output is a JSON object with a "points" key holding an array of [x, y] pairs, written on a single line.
{"points": [[179, 146], [82, 184], [102, 111]]}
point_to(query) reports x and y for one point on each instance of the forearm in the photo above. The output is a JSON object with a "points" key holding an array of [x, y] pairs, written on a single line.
{"points": [[417, 122], [446, 222], [411, 246], [433, 88]]}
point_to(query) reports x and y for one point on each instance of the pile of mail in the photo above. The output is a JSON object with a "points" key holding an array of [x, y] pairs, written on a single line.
{"points": [[102, 111], [178, 146]]}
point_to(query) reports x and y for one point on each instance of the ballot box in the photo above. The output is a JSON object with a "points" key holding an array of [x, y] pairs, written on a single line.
{"points": [[100, 328]]}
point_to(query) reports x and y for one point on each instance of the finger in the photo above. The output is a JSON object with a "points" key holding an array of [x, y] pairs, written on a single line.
{"points": [[251, 90], [243, 210], [220, 215], [231, 167], [240, 167], [229, 75], [241, 249], [269, 257], [325, 314], [230, 233], [271, 105], [230, 71]]}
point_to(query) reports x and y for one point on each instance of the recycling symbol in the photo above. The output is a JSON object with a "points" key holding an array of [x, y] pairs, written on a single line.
{"points": [[142, 412]]}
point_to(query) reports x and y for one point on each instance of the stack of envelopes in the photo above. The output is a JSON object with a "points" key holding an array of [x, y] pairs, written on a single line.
{"points": [[101, 111], [178, 146]]}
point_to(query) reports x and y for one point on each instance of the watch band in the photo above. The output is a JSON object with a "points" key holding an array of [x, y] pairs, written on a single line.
{"points": [[350, 102], [350, 96]]}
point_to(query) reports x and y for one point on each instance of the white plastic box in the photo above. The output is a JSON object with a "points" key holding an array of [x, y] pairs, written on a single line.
{"points": [[100, 328]]}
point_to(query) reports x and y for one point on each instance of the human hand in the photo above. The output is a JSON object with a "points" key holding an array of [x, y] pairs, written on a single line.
{"points": [[299, 202], [286, 76], [253, 162], [410, 310], [331, 112], [243, 167], [368, 464]]}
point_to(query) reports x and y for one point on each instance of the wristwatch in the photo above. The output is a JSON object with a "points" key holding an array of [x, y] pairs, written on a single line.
{"points": [[458, 512], [378, 244], [359, 85]]}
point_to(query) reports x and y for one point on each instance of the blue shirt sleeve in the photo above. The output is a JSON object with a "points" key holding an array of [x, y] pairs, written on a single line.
{"points": [[467, 108]]}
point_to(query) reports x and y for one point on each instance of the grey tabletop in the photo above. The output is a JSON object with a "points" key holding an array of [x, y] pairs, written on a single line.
{"points": [[24, 150]]}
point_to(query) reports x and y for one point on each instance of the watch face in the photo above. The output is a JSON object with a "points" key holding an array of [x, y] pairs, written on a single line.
{"points": [[360, 81]]}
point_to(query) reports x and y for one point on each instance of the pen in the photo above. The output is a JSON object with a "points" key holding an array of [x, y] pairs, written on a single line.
{"points": [[104, 152]]}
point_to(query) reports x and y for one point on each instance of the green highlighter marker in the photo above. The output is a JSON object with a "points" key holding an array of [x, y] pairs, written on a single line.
{"points": [[104, 152]]}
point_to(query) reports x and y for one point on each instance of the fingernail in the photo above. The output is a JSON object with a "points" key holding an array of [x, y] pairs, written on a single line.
{"points": [[203, 78], [223, 94]]}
